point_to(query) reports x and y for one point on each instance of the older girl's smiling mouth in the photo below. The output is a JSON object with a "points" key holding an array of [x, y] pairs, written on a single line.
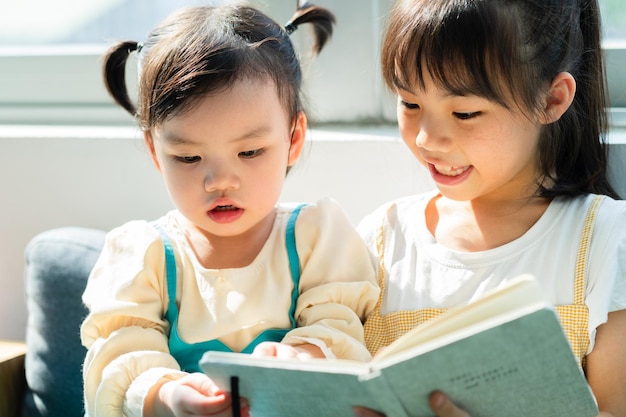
{"points": [[449, 175], [451, 171]]}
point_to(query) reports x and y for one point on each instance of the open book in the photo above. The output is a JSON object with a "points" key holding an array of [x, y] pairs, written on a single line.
{"points": [[502, 355]]}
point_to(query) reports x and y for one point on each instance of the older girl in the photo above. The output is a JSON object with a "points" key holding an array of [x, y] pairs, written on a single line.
{"points": [[503, 101]]}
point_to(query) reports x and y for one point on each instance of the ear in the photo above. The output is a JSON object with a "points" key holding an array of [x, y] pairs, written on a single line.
{"points": [[559, 97], [147, 137], [297, 138]]}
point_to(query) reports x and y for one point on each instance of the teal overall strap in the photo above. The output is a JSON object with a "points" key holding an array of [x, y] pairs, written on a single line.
{"points": [[294, 261], [170, 273]]}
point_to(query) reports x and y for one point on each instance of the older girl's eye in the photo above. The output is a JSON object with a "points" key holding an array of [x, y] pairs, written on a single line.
{"points": [[410, 106], [187, 159], [467, 115], [250, 154]]}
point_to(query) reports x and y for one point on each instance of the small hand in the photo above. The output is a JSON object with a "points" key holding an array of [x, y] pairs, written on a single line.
{"points": [[192, 395], [283, 351], [439, 403]]}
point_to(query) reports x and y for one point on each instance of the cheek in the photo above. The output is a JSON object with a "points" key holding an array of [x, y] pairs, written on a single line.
{"points": [[404, 130], [407, 126], [408, 134], [178, 182], [267, 176]]}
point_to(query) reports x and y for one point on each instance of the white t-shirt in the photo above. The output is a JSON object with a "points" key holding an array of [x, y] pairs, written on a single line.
{"points": [[424, 274]]}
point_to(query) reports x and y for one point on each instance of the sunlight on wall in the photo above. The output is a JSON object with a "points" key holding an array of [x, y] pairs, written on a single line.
{"points": [[52, 21], [36, 22]]}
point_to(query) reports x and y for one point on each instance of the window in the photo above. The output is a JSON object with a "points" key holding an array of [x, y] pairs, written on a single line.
{"points": [[614, 21], [52, 75], [51, 66]]}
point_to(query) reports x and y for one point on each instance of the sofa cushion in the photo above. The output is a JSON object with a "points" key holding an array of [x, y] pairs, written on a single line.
{"points": [[58, 263]]}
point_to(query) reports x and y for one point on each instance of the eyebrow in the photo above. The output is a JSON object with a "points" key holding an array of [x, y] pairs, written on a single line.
{"points": [[253, 133], [174, 139]]}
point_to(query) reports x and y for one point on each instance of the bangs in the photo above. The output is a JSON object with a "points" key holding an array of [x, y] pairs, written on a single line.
{"points": [[467, 48]]}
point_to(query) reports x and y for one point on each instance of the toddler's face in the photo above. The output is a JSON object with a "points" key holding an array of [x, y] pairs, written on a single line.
{"points": [[225, 159]]}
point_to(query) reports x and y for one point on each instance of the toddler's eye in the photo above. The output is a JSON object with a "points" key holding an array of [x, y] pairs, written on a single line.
{"points": [[187, 159], [467, 115], [250, 154], [410, 106]]}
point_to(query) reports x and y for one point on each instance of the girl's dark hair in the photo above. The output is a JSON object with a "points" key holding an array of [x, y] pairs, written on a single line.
{"points": [[204, 50], [500, 49]]}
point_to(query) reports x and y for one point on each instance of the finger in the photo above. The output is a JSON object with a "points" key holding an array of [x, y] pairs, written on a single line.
{"points": [[197, 404], [245, 407], [286, 352], [198, 395], [206, 398], [221, 406], [202, 384], [265, 349], [443, 407], [365, 412]]}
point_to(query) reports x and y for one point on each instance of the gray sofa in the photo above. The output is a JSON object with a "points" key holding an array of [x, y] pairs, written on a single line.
{"points": [[58, 263]]}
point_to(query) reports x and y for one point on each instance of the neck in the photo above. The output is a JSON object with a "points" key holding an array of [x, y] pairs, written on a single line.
{"points": [[238, 251], [478, 225]]}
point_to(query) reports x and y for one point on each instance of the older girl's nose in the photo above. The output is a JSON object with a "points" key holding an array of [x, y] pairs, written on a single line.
{"points": [[432, 135]]}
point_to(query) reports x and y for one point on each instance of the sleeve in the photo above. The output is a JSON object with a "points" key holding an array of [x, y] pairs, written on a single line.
{"points": [[125, 332], [337, 285], [618, 298], [607, 265]]}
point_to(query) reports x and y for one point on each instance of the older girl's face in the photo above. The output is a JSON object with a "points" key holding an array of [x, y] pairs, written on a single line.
{"points": [[473, 148], [224, 161]]}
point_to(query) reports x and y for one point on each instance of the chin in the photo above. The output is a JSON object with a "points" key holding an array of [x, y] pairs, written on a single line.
{"points": [[456, 195]]}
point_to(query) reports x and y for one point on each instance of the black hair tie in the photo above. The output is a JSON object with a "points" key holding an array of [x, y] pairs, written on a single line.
{"points": [[290, 28]]}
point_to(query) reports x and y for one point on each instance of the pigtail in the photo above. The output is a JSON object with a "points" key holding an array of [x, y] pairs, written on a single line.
{"points": [[322, 20], [114, 74]]}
